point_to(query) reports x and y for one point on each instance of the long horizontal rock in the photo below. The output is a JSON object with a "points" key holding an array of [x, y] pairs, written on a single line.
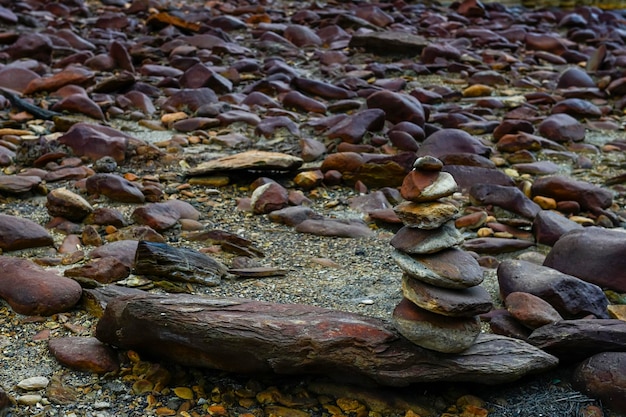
{"points": [[246, 336]]}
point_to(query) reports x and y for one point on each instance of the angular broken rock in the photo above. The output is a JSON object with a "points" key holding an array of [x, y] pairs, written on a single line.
{"points": [[178, 264], [218, 333], [250, 160], [574, 340], [570, 296]]}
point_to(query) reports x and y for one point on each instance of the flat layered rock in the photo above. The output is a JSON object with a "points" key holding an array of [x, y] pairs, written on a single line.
{"points": [[218, 333], [250, 160], [412, 240], [449, 268], [430, 215]]}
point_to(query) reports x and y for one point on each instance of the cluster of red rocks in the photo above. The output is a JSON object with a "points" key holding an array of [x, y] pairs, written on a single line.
{"points": [[442, 296]]}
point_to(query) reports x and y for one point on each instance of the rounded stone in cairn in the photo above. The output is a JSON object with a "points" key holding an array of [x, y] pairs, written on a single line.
{"points": [[447, 302], [450, 268], [429, 215], [420, 186], [433, 331], [416, 241]]}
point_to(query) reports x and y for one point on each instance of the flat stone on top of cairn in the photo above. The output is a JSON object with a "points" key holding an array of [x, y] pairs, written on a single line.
{"points": [[441, 298]]}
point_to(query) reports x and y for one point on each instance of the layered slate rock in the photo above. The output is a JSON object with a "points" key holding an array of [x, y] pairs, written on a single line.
{"points": [[593, 254], [442, 299], [245, 336], [570, 296]]}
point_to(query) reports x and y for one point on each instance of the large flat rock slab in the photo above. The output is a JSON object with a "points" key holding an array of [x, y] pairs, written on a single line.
{"points": [[246, 336], [250, 160]]}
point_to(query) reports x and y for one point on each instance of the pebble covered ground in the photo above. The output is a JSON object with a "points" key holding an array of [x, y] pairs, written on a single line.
{"points": [[356, 275]]}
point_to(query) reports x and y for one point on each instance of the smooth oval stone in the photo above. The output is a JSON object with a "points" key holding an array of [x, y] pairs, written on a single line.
{"points": [[530, 310], [398, 107], [85, 354], [190, 98], [115, 187], [434, 331], [423, 186], [293, 215], [603, 376], [508, 126], [570, 296], [508, 198], [162, 216], [429, 215], [17, 233], [452, 141], [575, 77], [577, 107], [412, 240], [79, 103], [545, 42], [321, 89], [122, 250], [301, 36], [16, 78], [549, 226], [495, 245], [297, 100], [35, 46], [102, 270], [435, 51], [537, 168], [71, 75], [353, 128], [337, 228], [17, 184], [61, 202], [428, 163], [593, 254], [562, 128], [269, 197], [590, 197], [32, 290], [448, 268]]}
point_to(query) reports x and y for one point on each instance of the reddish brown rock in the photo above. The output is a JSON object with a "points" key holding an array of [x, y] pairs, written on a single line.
{"points": [[294, 215], [122, 250], [35, 46], [162, 216], [577, 107], [18, 184], [269, 197], [115, 187], [302, 36], [398, 107], [452, 141], [412, 240], [71, 75], [16, 78], [17, 233], [95, 141], [503, 323], [496, 245], [335, 228], [575, 77], [549, 226], [570, 296], [353, 128], [590, 197], [429, 215], [104, 270], [105, 216], [189, 98], [321, 89], [593, 254], [86, 354], [298, 101], [311, 149], [603, 376], [61, 202], [530, 310], [422, 186], [562, 128], [508, 198], [79, 103], [32, 290], [433, 331]]}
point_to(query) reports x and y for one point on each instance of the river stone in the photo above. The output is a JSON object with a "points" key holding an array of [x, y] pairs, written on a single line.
{"points": [[466, 176], [465, 302], [496, 245], [508, 198], [603, 376], [61, 202], [562, 127], [162, 216], [34, 291], [590, 197], [398, 107], [115, 187], [354, 228], [530, 310], [452, 141], [416, 241], [122, 250], [17, 184], [293, 215], [549, 226], [86, 354], [95, 141], [450, 268], [433, 331], [593, 254], [422, 186], [17, 233], [104, 270], [429, 215], [269, 197], [503, 323], [570, 296]]}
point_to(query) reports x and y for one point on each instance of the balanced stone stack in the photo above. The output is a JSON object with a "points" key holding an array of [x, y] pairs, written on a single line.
{"points": [[440, 283]]}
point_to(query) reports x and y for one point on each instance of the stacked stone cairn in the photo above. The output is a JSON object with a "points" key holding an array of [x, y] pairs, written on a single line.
{"points": [[441, 282]]}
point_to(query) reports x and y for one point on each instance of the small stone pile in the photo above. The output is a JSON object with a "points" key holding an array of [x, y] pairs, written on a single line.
{"points": [[440, 283]]}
